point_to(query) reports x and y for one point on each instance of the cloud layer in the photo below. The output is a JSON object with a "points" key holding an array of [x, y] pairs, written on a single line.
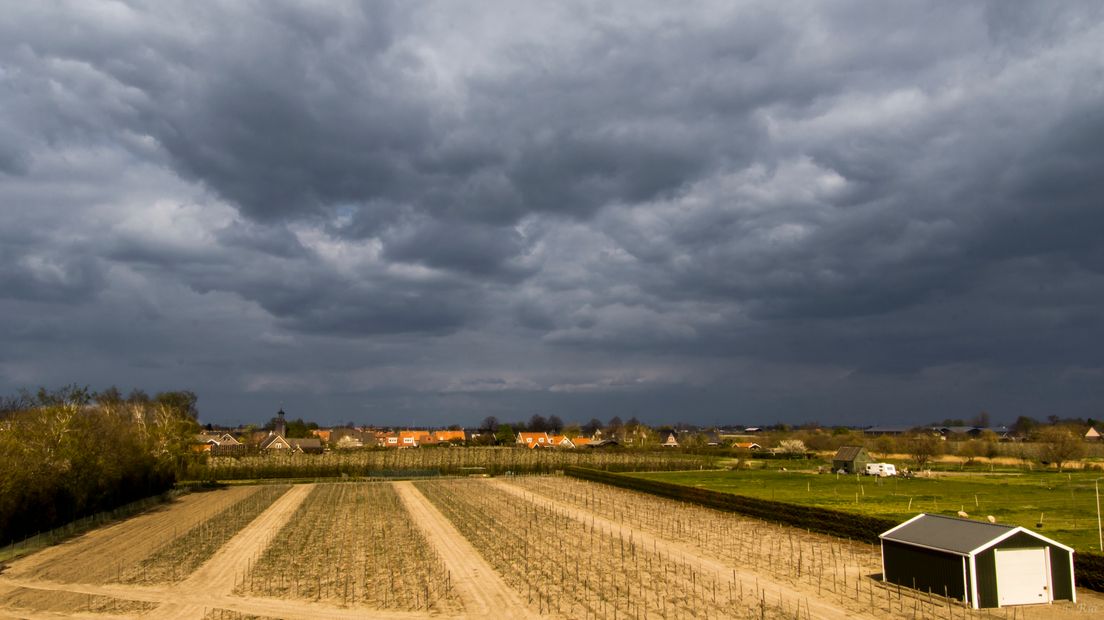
{"points": [[426, 212]]}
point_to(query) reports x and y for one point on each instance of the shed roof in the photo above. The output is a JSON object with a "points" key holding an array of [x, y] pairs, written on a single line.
{"points": [[956, 430], [848, 453], [896, 430], [955, 535]]}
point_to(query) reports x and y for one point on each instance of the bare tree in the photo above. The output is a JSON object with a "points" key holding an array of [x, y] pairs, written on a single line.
{"points": [[555, 424], [590, 427], [970, 450], [884, 446], [1059, 446], [923, 448]]}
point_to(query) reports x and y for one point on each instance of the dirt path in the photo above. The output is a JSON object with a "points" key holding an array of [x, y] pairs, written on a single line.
{"points": [[819, 608], [482, 590], [218, 576], [211, 585]]}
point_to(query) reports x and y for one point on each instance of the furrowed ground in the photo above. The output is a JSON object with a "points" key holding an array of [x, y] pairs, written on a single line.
{"points": [[573, 567], [353, 544], [462, 548], [110, 553], [789, 564]]}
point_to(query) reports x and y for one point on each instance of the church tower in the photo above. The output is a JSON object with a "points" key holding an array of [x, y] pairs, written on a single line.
{"points": [[281, 424]]}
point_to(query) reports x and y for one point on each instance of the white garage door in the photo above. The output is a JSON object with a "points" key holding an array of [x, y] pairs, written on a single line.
{"points": [[1023, 576]]}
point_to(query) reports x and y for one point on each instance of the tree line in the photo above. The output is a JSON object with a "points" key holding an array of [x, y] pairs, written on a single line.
{"points": [[505, 432], [70, 452]]}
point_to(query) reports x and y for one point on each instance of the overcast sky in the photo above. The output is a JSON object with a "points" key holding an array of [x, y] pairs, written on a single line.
{"points": [[429, 212]]}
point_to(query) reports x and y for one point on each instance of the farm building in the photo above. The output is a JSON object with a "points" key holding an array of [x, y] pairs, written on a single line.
{"points": [[450, 436], [562, 441], [887, 430], [275, 442], [534, 440], [307, 445], [850, 459], [982, 564]]}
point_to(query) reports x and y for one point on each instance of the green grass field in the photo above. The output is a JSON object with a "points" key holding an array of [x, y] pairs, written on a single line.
{"points": [[1064, 502]]}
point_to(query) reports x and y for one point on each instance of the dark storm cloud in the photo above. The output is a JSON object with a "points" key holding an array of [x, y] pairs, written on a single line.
{"points": [[52, 276], [275, 241], [639, 199], [472, 248], [322, 303]]}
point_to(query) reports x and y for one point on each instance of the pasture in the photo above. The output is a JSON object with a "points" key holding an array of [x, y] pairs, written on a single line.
{"points": [[1063, 502], [518, 547]]}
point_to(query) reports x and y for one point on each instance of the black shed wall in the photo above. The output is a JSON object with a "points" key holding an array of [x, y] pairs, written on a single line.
{"points": [[923, 569]]}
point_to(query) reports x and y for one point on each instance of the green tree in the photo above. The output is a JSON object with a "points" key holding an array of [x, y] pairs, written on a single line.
{"points": [[1025, 425], [63, 457], [505, 435], [298, 429]]}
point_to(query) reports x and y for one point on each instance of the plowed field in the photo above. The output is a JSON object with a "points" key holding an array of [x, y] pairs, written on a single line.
{"points": [[462, 548]]}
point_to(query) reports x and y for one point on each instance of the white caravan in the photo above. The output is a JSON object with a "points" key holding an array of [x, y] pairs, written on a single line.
{"points": [[880, 469]]}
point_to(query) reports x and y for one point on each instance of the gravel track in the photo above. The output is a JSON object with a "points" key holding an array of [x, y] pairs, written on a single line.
{"points": [[482, 589]]}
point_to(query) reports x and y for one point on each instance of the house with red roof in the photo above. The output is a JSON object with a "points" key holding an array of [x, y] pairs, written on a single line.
{"points": [[534, 440]]}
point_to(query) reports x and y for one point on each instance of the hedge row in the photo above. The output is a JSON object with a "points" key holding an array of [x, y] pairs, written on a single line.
{"points": [[445, 461], [753, 455], [809, 518], [1088, 567]]}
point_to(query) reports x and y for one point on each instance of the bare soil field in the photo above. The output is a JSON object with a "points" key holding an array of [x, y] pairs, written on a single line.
{"points": [[354, 544], [785, 561], [178, 558], [68, 602], [575, 563], [468, 548], [104, 554]]}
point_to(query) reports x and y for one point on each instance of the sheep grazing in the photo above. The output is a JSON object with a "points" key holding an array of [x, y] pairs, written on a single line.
{"points": [[963, 514], [992, 519]]}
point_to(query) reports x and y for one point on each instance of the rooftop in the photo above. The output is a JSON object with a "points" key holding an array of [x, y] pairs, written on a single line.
{"points": [[961, 536]]}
